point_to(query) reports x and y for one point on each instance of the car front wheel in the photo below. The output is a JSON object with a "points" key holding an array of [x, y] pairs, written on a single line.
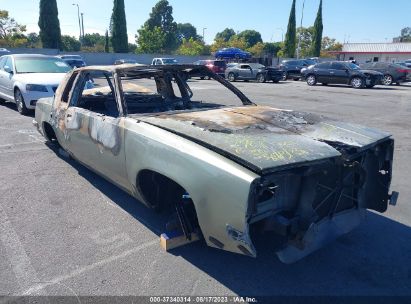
{"points": [[260, 78], [231, 77], [387, 80], [311, 80], [21, 106], [285, 76], [357, 83]]}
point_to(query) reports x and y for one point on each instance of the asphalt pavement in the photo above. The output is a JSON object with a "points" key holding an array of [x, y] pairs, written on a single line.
{"points": [[66, 231]]}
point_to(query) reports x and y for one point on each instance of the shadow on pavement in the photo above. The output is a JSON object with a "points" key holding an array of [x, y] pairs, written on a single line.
{"points": [[374, 259]]}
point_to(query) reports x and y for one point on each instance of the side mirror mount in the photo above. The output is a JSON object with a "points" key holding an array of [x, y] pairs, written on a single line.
{"points": [[8, 69]]}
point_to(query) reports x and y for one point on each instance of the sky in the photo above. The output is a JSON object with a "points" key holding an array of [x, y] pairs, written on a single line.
{"points": [[345, 20]]}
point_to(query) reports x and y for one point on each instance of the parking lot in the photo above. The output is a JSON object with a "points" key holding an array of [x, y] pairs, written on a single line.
{"points": [[66, 231]]}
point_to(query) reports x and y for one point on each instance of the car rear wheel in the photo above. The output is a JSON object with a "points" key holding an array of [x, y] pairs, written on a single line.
{"points": [[311, 80], [387, 80], [21, 106], [231, 77], [260, 78], [357, 83]]}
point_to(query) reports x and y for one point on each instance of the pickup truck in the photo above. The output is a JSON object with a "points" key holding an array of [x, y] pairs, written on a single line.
{"points": [[221, 167]]}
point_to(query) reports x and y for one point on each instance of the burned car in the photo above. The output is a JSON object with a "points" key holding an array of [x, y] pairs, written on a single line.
{"points": [[222, 166]]}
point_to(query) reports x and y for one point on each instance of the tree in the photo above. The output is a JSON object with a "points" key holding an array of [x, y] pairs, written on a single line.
{"points": [[219, 43], [405, 35], [33, 40], [91, 40], [161, 17], [119, 38], [70, 44], [49, 24], [9, 26], [318, 32], [237, 42], [306, 40], [258, 49], [290, 36], [192, 47], [225, 35], [329, 44], [186, 31], [251, 37], [150, 41], [107, 43], [272, 48]]}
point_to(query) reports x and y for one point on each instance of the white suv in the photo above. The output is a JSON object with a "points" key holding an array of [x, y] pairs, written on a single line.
{"points": [[164, 61]]}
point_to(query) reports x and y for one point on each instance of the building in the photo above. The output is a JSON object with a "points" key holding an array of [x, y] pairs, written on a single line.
{"points": [[373, 52]]}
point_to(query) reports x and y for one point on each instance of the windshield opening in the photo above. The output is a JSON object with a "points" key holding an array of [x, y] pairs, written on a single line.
{"points": [[158, 91], [41, 65]]}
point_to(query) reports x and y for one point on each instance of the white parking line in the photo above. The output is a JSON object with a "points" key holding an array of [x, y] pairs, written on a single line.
{"points": [[38, 287], [16, 254]]}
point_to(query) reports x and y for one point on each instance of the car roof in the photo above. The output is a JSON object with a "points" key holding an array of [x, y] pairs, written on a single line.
{"points": [[33, 56]]}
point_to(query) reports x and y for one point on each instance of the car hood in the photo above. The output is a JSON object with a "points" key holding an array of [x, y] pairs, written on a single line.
{"points": [[40, 78], [266, 139]]}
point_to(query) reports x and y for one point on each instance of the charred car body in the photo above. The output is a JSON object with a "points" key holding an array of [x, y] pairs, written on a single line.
{"points": [[232, 172]]}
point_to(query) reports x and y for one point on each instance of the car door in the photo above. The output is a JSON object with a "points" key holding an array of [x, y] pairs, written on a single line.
{"points": [[245, 71], [339, 73], [2, 75], [93, 127], [6, 78], [322, 72]]}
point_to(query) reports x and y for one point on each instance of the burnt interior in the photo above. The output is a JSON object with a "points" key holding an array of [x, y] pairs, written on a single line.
{"points": [[285, 204]]}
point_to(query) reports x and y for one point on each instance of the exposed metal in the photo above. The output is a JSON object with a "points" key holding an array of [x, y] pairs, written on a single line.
{"points": [[233, 172]]}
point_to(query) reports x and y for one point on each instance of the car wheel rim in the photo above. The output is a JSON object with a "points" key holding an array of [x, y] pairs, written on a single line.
{"points": [[19, 101], [284, 76], [387, 79], [311, 80], [260, 78], [356, 82], [231, 77]]}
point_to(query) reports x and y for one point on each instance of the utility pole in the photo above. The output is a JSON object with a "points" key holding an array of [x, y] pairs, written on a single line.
{"points": [[204, 28], [82, 23], [299, 36], [79, 22]]}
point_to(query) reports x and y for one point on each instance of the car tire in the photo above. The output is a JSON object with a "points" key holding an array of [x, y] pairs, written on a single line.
{"points": [[260, 78], [387, 80], [398, 83], [296, 79], [324, 84], [231, 77], [208, 78], [357, 82], [202, 77], [276, 81], [19, 100], [285, 76], [311, 80]]}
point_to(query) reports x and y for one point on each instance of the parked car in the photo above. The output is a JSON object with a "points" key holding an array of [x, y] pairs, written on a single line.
{"points": [[340, 72], [232, 53], [4, 51], [216, 66], [408, 63], [228, 173], [75, 61], [164, 61], [393, 73], [252, 71], [292, 68], [24, 78], [125, 61]]}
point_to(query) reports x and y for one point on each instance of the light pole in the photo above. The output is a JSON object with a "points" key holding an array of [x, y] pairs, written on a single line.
{"points": [[204, 28], [82, 23], [299, 36], [79, 22]]}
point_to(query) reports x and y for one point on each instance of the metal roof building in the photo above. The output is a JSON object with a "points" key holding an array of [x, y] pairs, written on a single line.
{"points": [[366, 52]]}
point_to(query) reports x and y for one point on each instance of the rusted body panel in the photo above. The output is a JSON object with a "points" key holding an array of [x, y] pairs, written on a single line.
{"points": [[245, 169]]}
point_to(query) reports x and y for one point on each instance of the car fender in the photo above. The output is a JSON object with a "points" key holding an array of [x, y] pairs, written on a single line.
{"points": [[219, 187]]}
